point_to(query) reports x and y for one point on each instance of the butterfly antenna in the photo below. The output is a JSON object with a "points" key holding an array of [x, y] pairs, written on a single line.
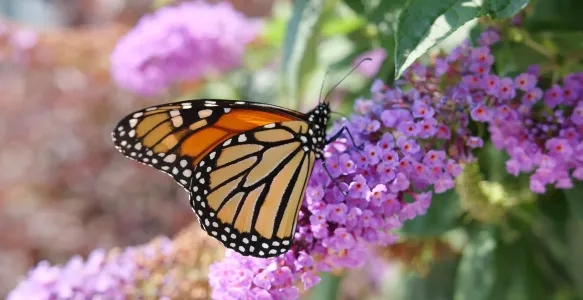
{"points": [[355, 67], [322, 87]]}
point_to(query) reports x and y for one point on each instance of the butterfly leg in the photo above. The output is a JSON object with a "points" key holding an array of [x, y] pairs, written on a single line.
{"points": [[333, 179], [339, 133]]}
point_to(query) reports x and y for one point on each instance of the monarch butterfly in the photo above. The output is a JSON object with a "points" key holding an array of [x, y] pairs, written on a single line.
{"points": [[245, 164]]}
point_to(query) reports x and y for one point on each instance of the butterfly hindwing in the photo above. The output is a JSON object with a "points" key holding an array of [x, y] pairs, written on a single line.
{"points": [[248, 191]]}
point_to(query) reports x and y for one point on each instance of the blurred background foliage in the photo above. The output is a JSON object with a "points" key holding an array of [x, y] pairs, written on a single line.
{"points": [[65, 190]]}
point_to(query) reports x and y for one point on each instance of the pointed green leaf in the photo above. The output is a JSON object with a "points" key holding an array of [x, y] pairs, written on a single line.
{"points": [[423, 23]]}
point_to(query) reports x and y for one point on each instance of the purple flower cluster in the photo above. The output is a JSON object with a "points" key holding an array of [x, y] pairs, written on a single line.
{"points": [[414, 138], [181, 42], [542, 131], [104, 275]]}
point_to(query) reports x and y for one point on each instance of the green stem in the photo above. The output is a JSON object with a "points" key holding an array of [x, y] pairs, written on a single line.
{"points": [[328, 288]]}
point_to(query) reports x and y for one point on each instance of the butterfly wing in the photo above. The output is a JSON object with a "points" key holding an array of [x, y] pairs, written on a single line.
{"points": [[247, 191], [174, 137]]}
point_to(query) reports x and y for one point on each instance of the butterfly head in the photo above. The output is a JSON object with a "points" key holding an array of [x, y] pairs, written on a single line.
{"points": [[318, 120]]}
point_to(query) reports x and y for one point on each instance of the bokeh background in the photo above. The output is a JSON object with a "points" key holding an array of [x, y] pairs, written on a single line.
{"points": [[65, 190]]}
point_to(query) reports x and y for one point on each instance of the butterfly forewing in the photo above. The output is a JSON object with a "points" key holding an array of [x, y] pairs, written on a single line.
{"points": [[174, 137], [247, 193]]}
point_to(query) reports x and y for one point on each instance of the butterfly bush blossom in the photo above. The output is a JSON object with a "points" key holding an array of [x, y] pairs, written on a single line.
{"points": [[414, 138], [541, 129], [181, 42]]}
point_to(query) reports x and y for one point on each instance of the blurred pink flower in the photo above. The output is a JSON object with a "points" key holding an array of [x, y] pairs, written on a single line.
{"points": [[370, 69], [181, 42]]}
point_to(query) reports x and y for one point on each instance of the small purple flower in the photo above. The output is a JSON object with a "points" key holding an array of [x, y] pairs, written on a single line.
{"points": [[408, 128], [553, 96], [407, 146], [506, 89], [481, 113], [577, 115], [532, 96], [525, 82], [475, 142], [490, 84], [427, 128]]}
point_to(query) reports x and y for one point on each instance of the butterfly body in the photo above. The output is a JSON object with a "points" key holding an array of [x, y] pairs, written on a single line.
{"points": [[245, 165]]}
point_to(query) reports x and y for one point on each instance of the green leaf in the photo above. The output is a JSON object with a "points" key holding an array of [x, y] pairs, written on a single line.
{"points": [[299, 51], [575, 253], [501, 9], [476, 275], [575, 198], [424, 23], [437, 285], [383, 15], [442, 215], [328, 287], [555, 15], [513, 58]]}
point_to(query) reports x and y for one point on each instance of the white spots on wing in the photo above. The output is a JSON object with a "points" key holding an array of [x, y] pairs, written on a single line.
{"points": [[197, 176], [165, 168], [187, 173], [149, 153], [123, 143], [242, 138], [269, 125], [184, 182], [183, 163], [132, 133], [154, 161], [306, 149], [215, 224], [212, 155], [201, 163], [170, 158], [151, 108], [264, 245], [198, 198], [272, 251], [210, 102], [304, 139], [177, 121], [246, 240], [174, 171], [227, 142], [174, 113], [275, 243], [208, 169], [120, 128], [254, 238], [286, 242], [227, 110], [240, 102], [133, 123], [241, 248], [205, 113], [201, 181], [186, 105], [133, 154], [138, 146]]}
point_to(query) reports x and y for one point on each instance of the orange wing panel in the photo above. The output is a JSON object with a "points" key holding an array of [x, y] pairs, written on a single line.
{"points": [[242, 119]]}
